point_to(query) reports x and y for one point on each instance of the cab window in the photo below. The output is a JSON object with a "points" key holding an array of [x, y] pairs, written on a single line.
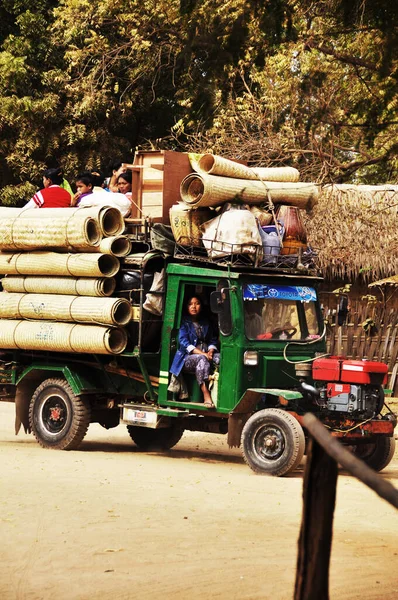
{"points": [[280, 312]]}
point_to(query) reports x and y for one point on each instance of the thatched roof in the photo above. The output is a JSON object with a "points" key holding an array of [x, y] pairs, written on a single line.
{"points": [[393, 280], [355, 231]]}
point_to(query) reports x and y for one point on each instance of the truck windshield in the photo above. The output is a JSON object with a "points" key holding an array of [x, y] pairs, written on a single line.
{"points": [[280, 312]]}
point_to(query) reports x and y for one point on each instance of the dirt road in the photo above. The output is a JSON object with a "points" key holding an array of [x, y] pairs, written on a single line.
{"points": [[110, 522]]}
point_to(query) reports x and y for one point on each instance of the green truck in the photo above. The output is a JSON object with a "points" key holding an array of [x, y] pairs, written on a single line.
{"points": [[273, 369]]}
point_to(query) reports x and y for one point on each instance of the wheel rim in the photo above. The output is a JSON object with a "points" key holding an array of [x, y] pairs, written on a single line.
{"points": [[269, 442], [53, 414]]}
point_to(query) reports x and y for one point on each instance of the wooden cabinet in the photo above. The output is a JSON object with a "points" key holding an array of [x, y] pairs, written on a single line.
{"points": [[157, 176]]}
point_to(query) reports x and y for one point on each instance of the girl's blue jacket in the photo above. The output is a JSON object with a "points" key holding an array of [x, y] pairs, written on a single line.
{"points": [[188, 340]]}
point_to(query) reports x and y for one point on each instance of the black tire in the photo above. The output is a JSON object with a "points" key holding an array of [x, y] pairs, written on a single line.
{"points": [[273, 442], [58, 419], [156, 439], [378, 454]]}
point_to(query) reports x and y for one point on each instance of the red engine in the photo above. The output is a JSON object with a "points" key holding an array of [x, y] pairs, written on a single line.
{"points": [[354, 387]]}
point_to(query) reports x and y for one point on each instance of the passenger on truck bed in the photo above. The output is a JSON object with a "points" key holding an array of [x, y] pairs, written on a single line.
{"points": [[52, 195], [86, 196]]}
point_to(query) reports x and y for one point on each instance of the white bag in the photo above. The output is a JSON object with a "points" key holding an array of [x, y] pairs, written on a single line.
{"points": [[154, 302], [234, 231]]}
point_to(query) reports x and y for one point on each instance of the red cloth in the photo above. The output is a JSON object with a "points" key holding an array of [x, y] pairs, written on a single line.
{"points": [[52, 197]]}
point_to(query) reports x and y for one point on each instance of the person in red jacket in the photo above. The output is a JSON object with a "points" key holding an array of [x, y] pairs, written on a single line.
{"points": [[52, 195]]}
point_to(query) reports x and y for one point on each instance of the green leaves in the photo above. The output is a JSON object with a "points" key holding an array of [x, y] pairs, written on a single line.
{"points": [[284, 82]]}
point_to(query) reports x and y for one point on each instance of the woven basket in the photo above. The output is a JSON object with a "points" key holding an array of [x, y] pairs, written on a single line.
{"points": [[61, 337], [59, 285], [53, 263], [52, 307], [217, 165], [186, 224], [211, 190]]}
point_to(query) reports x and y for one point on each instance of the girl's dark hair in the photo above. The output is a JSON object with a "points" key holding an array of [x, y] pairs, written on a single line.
{"points": [[188, 300], [115, 165], [98, 178], [127, 176], [85, 178], [56, 176]]}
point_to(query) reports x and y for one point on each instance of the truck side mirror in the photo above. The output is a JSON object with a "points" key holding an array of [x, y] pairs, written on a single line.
{"points": [[216, 302], [221, 305]]}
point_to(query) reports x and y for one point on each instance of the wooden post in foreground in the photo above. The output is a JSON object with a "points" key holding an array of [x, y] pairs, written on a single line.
{"points": [[319, 495]]}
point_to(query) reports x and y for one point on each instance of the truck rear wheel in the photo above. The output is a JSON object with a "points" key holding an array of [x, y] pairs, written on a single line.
{"points": [[57, 417], [378, 454], [273, 442], [156, 439]]}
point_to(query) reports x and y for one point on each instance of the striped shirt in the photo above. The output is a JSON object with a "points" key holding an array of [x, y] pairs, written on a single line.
{"points": [[52, 197]]}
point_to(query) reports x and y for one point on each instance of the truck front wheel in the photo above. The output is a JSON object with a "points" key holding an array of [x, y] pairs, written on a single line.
{"points": [[273, 442], [378, 454], [156, 439], [57, 417]]}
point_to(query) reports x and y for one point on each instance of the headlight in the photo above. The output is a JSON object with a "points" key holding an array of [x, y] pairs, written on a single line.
{"points": [[250, 357]]}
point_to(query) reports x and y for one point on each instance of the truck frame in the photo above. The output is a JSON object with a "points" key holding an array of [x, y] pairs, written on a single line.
{"points": [[265, 383]]}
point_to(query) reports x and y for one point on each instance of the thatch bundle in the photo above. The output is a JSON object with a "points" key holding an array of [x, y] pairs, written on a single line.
{"points": [[354, 230], [77, 309]]}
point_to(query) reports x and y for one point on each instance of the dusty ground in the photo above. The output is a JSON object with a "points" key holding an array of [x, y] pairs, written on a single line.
{"points": [[112, 523]]}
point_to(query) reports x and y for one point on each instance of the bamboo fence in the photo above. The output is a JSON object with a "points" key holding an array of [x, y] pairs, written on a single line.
{"points": [[368, 332]]}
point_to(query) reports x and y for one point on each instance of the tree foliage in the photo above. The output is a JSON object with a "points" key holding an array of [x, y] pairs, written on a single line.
{"points": [[311, 84]]}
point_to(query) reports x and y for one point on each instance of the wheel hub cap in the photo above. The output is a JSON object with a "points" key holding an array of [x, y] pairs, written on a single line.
{"points": [[269, 442]]}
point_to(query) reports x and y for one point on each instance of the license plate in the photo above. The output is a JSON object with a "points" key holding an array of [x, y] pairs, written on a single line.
{"points": [[139, 416]]}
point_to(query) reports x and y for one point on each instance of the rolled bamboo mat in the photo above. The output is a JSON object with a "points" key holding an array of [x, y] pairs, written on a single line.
{"points": [[57, 307], [29, 230], [53, 263], [118, 245], [61, 337], [109, 218], [217, 165], [83, 286], [199, 190]]}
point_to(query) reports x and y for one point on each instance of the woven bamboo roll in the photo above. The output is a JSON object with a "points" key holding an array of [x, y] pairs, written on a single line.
{"points": [[118, 245], [211, 190], [59, 285], [29, 230], [61, 337], [57, 307], [109, 218], [217, 165], [53, 263]]}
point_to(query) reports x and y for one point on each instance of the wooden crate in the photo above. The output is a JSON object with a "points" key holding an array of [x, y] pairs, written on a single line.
{"points": [[157, 175]]}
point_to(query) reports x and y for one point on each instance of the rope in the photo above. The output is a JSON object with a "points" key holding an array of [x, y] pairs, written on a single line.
{"points": [[271, 205]]}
